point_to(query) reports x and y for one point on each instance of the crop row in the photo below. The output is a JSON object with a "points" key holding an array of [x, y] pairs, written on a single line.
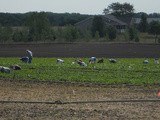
{"points": [[125, 71]]}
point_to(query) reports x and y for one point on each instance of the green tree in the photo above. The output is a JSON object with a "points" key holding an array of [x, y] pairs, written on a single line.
{"points": [[119, 10], [52, 35], [143, 25], [87, 35], [71, 33], [98, 25], [133, 34], [5, 34], [154, 29], [112, 33], [38, 26], [20, 35], [97, 35], [17, 36]]}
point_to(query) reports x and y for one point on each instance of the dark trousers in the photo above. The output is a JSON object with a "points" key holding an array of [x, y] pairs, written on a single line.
{"points": [[30, 60]]}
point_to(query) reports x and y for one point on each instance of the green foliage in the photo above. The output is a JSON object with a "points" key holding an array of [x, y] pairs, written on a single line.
{"points": [[5, 34], [51, 35], [151, 15], [55, 19], [137, 39], [154, 29], [12, 19], [38, 26], [126, 35], [143, 25], [71, 33], [125, 71], [98, 25], [133, 34], [86, 35], [20, 36], [97, 35], [62, 19], [111, 31], [119, 9], [158, 40]]}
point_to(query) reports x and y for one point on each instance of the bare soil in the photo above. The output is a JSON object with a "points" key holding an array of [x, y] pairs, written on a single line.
{"points": [[128, 50], [48, 91]]}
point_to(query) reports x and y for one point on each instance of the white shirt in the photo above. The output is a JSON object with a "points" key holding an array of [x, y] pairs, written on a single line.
{"points": [[29, 53]]}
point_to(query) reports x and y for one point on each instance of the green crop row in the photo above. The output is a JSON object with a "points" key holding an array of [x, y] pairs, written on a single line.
{"points": [[125, 71]]}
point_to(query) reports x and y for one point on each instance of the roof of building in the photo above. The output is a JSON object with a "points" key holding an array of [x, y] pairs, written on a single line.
{"points": [[109, 19], [113, 18]]}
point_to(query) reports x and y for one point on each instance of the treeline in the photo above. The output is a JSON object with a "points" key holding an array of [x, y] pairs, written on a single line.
{"points": [[55, 19], [54, 27], [38, 28], [152, 15]]}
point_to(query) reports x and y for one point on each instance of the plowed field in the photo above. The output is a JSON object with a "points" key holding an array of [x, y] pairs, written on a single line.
{"points": [[33, 91], [82, 50]]}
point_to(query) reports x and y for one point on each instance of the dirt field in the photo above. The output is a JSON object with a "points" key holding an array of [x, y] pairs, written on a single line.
{"points": [[82, 50], [33, 91]]}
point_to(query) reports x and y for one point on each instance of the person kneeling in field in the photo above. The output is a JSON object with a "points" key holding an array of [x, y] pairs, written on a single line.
{"points": [[112, 60], [15, 67], [30, 55], [100, 60], [92, 60], [145, 61], [24, 59], [81, 63], [156, 61], [60, 61], [5, 69]]}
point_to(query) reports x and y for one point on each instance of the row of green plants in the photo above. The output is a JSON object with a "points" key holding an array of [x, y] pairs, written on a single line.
{"points": [[125, 71]]}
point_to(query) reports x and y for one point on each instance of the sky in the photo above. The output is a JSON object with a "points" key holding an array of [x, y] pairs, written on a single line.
{"points": [[92, 7]]}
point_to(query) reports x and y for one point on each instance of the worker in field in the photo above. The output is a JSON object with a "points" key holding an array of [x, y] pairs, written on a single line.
{"points": [[92, 60], [79, 62], [25, 59], [156, 61], [15, 67], [4, 69], [146, 61], [112, 60], [100, 60], [60, 61], [29, 55]]}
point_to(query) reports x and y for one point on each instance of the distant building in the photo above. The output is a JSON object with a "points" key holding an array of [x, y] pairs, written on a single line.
{"points": [[109, 20], [136, 21]]}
